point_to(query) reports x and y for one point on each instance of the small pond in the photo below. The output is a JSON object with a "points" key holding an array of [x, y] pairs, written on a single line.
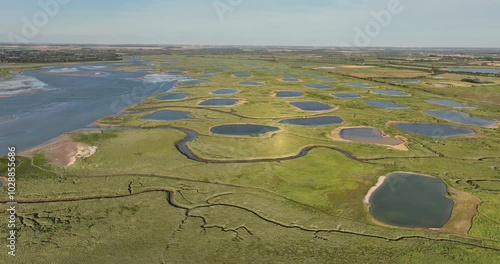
{"points": [[219, 102], [368, 135], [359, 85], [288, 94], [173, 96], [251, 83], [314, 121], [311, 106], [168, 115], [312, 74], [192, 82], [242, 75], [435, 130], [225, 91], [391, 93], [462, 118], [448, 103], [242, 129], [207, 75], [317, 86], [410, 81], [346, 95]]}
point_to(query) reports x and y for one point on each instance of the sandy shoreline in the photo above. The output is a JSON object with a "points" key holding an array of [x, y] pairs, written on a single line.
{"points": [[380, 181], [62, 151], [496, 126]]}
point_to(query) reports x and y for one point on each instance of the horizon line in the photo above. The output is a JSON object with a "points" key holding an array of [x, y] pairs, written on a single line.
{"points": [[237, 45]]}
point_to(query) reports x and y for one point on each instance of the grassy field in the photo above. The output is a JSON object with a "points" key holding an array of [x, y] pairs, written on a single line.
{"points": [[380, 72], [138, 199]]}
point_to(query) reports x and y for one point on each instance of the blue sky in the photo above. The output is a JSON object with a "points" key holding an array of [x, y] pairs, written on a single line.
{"points": [[420, 23]]}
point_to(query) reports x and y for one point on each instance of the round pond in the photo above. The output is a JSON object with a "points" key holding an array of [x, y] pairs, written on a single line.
{"points": [[411, 200]]}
